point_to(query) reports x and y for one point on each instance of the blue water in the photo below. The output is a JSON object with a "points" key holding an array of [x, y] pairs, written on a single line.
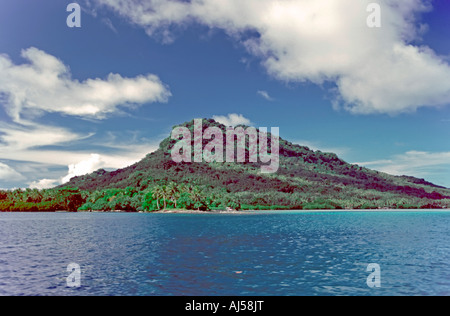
{"points": [[287, 253]]}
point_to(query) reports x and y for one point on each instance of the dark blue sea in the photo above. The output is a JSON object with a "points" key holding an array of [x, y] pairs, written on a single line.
{"points": [[254, 253]]}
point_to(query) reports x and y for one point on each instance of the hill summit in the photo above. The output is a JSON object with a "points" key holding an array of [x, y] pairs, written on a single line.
{"points": [[303, 178]]}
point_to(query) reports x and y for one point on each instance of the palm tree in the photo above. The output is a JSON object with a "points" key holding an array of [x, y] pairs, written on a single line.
{"points": [[157, 194], [96, 196], [173, 193], [182, 188], [34, 196], [196, 196], [164, 194], [18, 195]]}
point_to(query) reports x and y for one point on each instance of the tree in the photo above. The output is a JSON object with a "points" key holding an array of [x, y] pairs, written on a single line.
{"points": [[150, 204], [157, 194], [197, 197], [173, 192], [164, 193], [130, 191], [68, 199], [185, 201], [33, 196], [3, 195], [5, 206]]}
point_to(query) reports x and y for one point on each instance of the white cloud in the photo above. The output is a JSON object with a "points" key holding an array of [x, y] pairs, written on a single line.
{"points": [[35, 148], [232, 119], [265, 95], [45, 85], [44, 184], [84, 167], [9, 174], [20, 137], [121, 157], [433, 166], [375, 70], [88, 163]]}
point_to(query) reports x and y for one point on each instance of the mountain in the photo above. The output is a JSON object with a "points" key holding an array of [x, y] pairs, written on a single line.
{"points": [[304, 177]]}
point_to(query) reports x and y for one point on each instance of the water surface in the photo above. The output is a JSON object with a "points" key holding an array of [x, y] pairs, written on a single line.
{"points": [[263, 253]]}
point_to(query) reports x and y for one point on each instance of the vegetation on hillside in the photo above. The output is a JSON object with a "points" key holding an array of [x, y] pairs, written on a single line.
{"points": [[306, 179]]}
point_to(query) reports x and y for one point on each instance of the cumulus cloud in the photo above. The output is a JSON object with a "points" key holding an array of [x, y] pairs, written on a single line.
{"points": [[374, 70], [88, 163], [84, 167], [44, 184], [48, 145], [44, 84], [232, 119], [36, 147]]}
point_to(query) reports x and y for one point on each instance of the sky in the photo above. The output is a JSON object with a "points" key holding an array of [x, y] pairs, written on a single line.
{"points": [[103, 95]]}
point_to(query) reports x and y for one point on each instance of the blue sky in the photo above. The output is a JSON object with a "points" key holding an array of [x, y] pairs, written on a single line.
{"points": [[73, 100]]}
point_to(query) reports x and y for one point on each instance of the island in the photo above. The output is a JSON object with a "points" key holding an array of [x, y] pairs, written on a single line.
{"points": [[305, 180]]}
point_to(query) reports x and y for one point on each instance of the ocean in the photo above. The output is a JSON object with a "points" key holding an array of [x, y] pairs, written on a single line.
{"points": [[246, 254]]}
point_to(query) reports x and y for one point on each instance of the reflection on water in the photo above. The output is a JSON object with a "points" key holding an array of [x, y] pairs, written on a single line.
{"points": [[286, 253]]}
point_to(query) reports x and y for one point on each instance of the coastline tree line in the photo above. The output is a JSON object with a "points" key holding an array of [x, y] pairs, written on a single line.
{"points": [[170, 195], [158, 197]]}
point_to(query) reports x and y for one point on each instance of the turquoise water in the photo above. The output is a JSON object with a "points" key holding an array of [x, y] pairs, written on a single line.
{"points": [[269, 253]]}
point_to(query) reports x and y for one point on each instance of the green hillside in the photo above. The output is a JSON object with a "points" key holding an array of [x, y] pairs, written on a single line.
{"points": [[306, 179]]}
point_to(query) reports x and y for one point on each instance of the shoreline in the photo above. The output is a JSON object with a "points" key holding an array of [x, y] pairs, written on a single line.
{"points": [[181, 211], [297, 211], [243, 212]]}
